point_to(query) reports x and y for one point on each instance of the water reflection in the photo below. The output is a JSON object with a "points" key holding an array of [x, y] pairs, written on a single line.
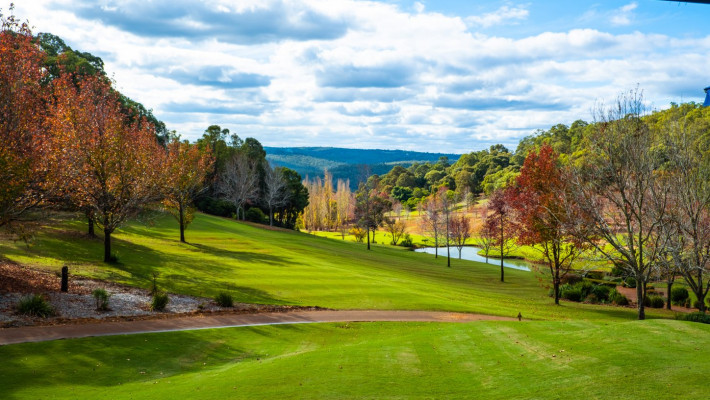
{"points": [[471, 253]]}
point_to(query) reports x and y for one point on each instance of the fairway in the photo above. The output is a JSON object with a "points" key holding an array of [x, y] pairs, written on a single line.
{"points": [[496, 360], [259, 265]]}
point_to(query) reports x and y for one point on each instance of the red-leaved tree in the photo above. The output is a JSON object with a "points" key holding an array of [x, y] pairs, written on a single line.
{"points": [[186, 171], [542, 213], [22, 118], [499, 222], [104, 163]]}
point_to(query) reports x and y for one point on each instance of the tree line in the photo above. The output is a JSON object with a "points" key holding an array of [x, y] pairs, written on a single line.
{"points": [[69, 140]]}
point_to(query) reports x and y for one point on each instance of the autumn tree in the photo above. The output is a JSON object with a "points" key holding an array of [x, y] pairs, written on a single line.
{"points": [[485, 234], [104, 162], [460, 231], [615, 192], [370, 207], [543, 214], [500, 222], [238, 183], [396, 229], [186, 169], [23, 149]]}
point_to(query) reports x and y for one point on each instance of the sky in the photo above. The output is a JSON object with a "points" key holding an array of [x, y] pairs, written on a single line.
{"points": [[437, 76]]}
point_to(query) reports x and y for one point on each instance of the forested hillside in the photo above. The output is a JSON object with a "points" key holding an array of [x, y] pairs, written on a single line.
{"points": [[347, 164]]}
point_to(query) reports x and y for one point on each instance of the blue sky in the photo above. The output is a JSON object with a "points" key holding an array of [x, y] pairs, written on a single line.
{"points": [[440, 76]]}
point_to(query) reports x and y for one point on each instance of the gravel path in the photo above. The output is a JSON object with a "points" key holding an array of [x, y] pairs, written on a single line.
{"points": [[45, 333]]}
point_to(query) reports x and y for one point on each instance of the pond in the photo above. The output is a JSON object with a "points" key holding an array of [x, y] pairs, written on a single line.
{"points": [[471, 253]]}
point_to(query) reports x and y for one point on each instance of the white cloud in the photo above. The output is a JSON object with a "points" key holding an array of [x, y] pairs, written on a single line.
{"points": [[624, 15], [417, 80], [505, 14]]}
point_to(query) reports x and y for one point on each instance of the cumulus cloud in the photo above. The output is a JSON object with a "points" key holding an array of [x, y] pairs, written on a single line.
{"points": [[505, 14], [368, 73]]}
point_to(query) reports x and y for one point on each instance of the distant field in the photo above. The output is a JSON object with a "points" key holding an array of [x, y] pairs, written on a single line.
{"points": [[259, 265], [492, 360]]}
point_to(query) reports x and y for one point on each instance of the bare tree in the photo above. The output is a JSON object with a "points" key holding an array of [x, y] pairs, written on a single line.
{"points": [[460, 231], [500, 221], [614, 189], [239, 182], [687, 223], [275, 194], [486, 234], [431, 220]]}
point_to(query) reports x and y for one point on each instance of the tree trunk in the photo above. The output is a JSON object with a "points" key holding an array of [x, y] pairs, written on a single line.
{"points": [[502, 273], [640, 296], [271, 216], [669, 285], [368, 237], [182, 224], [107, 245], [556, 288], [92, 233]]}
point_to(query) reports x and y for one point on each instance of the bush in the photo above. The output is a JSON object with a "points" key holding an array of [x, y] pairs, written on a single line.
{"points": [[571, 279], [618, 298], [697, 317], [630, 282], [407, 241], [654, 301], [591, 298], [572, 294], [618, 270], [602, 292], [595, 274], [35, 305], [679, 295], [255, 214], [159, 302], [224, 300], [358, 232], [697, 304], [101, 296]]}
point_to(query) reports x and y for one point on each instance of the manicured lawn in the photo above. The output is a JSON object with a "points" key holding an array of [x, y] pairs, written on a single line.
{"points": [[500, 360], [286, 267]]}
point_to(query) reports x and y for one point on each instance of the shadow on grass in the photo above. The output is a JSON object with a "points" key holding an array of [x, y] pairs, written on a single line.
{"points": [[244, 256]]}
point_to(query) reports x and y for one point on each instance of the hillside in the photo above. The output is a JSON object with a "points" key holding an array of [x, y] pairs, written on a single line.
{"points": [[346, 163]]}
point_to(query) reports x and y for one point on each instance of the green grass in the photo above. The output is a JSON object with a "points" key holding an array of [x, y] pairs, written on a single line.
{"points": [[496, 360], [258, 265]]}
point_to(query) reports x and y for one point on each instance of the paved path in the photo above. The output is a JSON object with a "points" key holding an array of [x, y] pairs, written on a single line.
{"points": [[45, 333]]}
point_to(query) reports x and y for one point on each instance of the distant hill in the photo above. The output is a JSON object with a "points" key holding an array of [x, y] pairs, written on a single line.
{"points": [[346, 163]]}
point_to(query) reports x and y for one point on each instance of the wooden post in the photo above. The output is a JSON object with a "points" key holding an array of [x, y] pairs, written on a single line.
{"points": [[65, 279]]}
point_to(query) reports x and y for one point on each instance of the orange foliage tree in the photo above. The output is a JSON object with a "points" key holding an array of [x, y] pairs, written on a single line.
{"points": [[104, 162], [186, 170], [544, 215], [22, 117]]}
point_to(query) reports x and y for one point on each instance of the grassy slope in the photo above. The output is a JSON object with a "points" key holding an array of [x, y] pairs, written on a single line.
{"points": [[286, 267], [638, 359]]}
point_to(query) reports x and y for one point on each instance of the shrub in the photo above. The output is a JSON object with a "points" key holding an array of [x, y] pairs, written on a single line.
{"points": [[618, 298], [585, 288], [35, 305], [618, 270], [255, 214], [697, 304], [224, 299], [101, 296], [591, 298], [654, 301], [572, 294], [697, 317], [571, 279], [679, 295], [159, 302], [358, 232], [630, 282], [407, 241], [602, 292], [595, 274]]}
